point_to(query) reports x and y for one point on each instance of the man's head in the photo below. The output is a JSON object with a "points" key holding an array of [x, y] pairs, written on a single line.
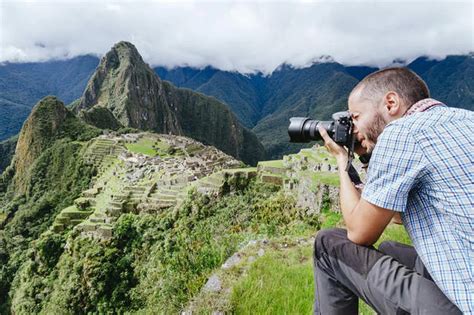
{"points": [[382, 97]]}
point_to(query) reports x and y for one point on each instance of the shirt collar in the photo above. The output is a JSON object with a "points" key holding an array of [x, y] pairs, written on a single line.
{"points": [[421, 106]]}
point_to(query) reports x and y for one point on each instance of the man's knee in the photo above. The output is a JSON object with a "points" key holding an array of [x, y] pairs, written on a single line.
{"points": [[403, 253], [387, 247], [325, 239]]}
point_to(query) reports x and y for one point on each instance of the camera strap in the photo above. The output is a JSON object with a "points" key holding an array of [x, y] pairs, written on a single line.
{"points": [[350, 151], [422, 105]]}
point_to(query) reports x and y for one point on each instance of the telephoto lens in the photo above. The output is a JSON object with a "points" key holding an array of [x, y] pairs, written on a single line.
{"points": [[304, 129]]}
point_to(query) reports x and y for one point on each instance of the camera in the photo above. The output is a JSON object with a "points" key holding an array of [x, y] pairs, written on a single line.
{"points": [[340, 129], [304, 129]]}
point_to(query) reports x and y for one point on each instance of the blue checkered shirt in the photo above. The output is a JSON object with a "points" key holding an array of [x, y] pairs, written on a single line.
{"points": [[423, 167]]}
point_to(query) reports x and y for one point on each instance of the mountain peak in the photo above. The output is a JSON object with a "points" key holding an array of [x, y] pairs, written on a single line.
{"points": [[123, 53], [125, 91], [49, 120], [125, 87]]}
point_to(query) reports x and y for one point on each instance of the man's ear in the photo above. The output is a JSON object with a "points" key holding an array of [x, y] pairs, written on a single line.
{"points": [[392, 104]]}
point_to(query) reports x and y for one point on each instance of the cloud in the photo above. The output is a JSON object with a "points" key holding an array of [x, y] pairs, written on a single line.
{"points": [[241, 36]]}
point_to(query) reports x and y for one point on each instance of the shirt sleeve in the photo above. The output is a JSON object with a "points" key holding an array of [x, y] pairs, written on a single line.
{"points": [[396, 166]]}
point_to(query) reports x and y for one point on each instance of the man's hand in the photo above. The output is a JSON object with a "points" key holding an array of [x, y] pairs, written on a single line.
{"points": [[364, 221], [338, 151]]}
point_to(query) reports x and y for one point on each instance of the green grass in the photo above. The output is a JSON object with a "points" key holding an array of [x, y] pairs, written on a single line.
{"points": [[281, 281], [145, 146], [319, 155], [327, 178], [394, 232], [241, 169], [272, 163], [331, 219]]}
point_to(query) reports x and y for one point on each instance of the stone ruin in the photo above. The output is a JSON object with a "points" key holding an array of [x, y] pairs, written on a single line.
{"points": [[142, 183]]}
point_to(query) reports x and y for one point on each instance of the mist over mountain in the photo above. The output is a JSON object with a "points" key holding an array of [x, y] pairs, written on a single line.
{"points": [[260, 102]]}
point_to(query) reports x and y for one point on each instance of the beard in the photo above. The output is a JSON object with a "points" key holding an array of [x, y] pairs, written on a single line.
{"points": [[374, 130]]}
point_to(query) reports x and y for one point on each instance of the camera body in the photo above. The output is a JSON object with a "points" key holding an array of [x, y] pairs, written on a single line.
{"points": [[340, 129], [304, 129]]}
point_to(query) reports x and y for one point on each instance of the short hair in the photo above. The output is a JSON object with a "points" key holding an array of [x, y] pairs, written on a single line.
{"points": [[406, 83]]}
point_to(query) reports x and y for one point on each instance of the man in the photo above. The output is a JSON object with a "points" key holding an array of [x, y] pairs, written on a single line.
{"points": [[422, 168]]}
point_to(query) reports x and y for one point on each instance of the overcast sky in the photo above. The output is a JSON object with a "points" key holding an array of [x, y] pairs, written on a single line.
{"points": [[243, 36]]}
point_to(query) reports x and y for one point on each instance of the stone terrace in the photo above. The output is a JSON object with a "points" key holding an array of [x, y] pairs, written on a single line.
{"points": [[141, 172]]}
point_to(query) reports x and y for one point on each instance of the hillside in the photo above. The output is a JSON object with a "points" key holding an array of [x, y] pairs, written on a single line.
{"points": [[169, 210], [449, 80], [113, 222], [46, 174], [125, 92], [22, 85], [239, 92], [7, 150]]}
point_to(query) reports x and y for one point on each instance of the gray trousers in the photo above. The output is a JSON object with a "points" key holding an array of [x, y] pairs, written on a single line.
{"points": [[392, 279]]}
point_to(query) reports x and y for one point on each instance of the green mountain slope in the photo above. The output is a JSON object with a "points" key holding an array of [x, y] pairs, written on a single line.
{"points": [[7, 150], [315, 92], [47, 173], [126, 88], [450, 80], [22, 85], [239, 92]]}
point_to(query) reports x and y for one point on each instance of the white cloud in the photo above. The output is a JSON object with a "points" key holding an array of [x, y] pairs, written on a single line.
{"points": [[243, 36]]}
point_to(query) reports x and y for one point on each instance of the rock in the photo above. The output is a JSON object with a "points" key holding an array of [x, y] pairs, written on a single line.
{"points": [[213, 284], [252, 242], [232, 261], [251, 259], [261, 252]]}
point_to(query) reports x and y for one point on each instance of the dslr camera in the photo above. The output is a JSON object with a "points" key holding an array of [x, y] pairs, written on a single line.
{"points": [[304, 129], [340, 129]]}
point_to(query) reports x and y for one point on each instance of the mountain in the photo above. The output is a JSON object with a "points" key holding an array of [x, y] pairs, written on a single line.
{"points": [[124, 91], [46, 174], [450, 80], [49, 120], [22, 85], [262, 102], [136, 222], [241, 93], [316, 92], [7, 150]]}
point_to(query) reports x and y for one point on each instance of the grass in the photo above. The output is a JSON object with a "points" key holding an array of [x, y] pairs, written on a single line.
{"points": [[272, 163], [331, 219], [281, 281], [318, 155], [241, 169], [328, 178], [149, 146]]}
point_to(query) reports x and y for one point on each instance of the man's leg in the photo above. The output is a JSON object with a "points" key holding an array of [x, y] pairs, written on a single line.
{"points": [[406, 255], [345, 271]]}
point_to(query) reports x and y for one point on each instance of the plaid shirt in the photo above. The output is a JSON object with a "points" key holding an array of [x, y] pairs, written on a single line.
{"points": [[423, 167]]}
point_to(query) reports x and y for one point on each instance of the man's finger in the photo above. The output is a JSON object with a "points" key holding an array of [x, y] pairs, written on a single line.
{"points": [[324, 134]]}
